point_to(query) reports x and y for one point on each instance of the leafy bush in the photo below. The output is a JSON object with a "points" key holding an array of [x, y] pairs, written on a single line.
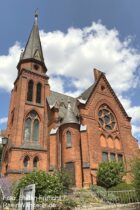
{"points": [[68, 203], [110, 174], [47, 184], [135, 170], [65, 203], [136, 173], [104, 194], [66, 179], [122, 186]]}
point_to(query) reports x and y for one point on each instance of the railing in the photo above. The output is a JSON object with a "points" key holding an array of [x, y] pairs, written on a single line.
{"points": [[125, 196]]}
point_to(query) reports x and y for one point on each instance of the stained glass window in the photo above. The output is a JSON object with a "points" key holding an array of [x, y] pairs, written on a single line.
{"points": [[35, 130], [38, 93], [31, 129], [68, 136], [120, 157], [112, 156], [106, 118], [27, 130], [105, 156], [30, 91]]}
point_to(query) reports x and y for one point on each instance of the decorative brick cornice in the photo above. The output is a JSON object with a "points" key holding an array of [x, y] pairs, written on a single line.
{"points": [[31, 72], [27, 148]]}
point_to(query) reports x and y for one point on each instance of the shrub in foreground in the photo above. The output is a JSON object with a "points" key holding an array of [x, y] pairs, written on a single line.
{"points": [[47, 184], [110, 174]]}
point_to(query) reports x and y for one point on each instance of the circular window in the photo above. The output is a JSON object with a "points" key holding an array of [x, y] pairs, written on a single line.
{"points": [[106, 118]]}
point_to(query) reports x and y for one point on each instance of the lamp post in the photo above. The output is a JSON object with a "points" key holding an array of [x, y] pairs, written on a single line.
{"points": [[4, 140]]}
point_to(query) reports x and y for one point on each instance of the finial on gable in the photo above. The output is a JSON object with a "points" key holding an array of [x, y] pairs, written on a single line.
{"points": [[97, 74]]}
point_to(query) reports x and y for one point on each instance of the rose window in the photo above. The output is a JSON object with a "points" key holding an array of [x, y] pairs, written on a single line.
{"points": [[106, 118]]}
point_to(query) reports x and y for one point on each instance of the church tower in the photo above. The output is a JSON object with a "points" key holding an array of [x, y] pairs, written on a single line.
{"points": [[27, 129]]}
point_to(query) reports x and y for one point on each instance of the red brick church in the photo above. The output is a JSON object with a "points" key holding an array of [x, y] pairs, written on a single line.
{"points": [[49, 130]]}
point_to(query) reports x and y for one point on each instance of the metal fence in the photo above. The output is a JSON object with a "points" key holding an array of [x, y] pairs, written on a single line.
{"points": [[126, 200]]}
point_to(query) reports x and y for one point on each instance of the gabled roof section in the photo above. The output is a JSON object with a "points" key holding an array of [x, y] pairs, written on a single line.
{"points": [[62, 102], [87, 93], [33, 49], [69, 116]]}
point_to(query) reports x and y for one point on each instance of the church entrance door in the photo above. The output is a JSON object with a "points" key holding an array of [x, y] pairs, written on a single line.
{"points": [[70, 168]]}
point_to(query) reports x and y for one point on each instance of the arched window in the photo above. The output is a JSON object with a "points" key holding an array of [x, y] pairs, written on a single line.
{"points": [[35, 130], [31, 129], [27, 130], [35, 162], [68, 139], [30, 90], [26, 162], [38, 93]]}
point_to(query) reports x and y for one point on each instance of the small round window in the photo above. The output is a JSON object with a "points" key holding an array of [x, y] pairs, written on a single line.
{"points": [[106, 118]]}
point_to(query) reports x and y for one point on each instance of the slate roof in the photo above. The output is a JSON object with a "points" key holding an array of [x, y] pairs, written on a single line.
{"points": [[69, 115], [85, 95], [61, 101], [33, 49]]}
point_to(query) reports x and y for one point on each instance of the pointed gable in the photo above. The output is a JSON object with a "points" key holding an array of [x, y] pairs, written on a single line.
{"points": [[87, 93]]}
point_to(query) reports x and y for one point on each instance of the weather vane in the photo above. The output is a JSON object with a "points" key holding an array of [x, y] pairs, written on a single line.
{"points": [[36, 13]]}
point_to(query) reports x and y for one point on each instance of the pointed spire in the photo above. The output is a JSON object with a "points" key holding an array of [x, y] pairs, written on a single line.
{"points": [[33, 49], [70, 116]]}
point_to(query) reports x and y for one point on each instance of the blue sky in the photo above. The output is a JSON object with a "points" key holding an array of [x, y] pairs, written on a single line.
{"points": [[110, 28]]}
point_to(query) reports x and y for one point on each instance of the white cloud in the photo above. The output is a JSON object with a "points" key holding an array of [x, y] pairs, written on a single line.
{"points": [[74, 54], [8, 65], [3, 120]]}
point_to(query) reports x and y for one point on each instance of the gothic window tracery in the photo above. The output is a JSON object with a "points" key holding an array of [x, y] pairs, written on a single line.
{"points": [[30, 91], [106, 118], [38, 93], [31, 129]]}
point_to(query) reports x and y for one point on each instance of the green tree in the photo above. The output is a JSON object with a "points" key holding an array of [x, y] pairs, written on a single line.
{"points": [[136, 173], [47, 184], [110, 174]]}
